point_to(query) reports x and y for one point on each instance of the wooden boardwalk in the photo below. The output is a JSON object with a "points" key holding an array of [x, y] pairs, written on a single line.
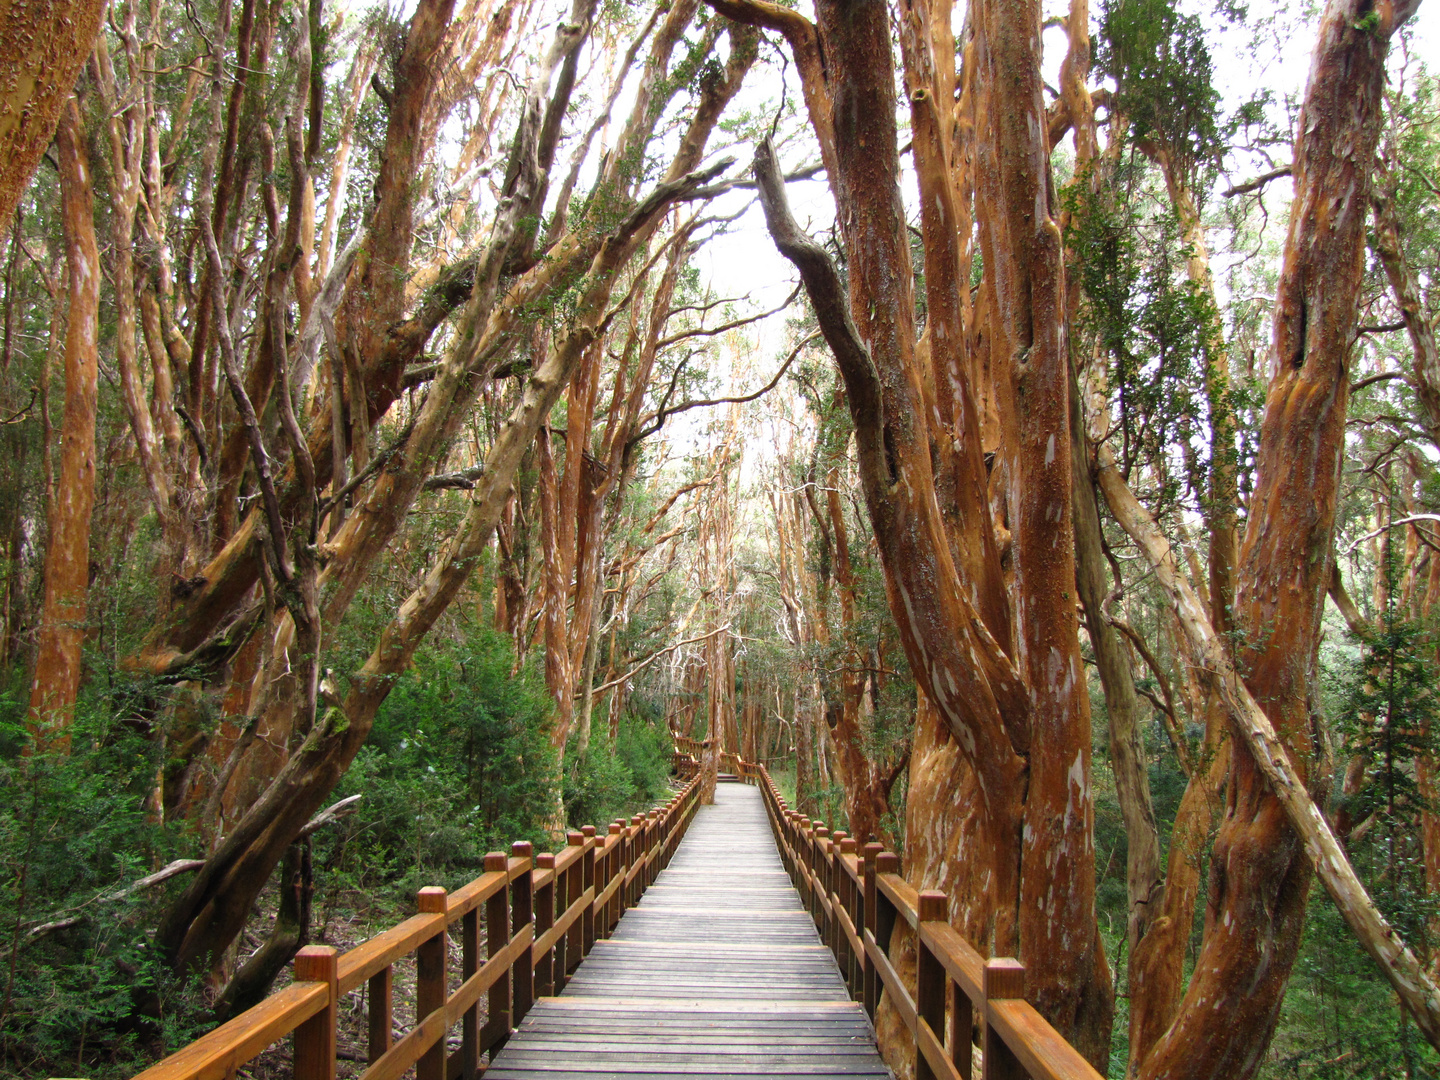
{"points": [[718, 972]]}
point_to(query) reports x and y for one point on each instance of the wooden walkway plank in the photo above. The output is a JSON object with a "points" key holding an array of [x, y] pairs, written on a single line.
{"points": [[717, 973]]}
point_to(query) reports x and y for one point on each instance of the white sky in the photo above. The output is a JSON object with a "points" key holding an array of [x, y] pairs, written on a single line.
{"points": [[745, 261]]}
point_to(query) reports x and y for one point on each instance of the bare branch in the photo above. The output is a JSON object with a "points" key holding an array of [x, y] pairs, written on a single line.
{"points": [[1256, 184], [658, 419], [656, 656]]}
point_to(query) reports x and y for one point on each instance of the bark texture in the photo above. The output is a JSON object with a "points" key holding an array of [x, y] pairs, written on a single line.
{"points": [[43, 46], [1260, 875], [1007, 688], [67, 554]]}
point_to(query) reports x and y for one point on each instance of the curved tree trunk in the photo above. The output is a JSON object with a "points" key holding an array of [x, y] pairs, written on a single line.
{"points": [[1259, 874]]}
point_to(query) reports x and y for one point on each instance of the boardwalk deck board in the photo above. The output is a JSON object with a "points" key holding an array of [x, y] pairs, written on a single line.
{"points": [[717, 973]]}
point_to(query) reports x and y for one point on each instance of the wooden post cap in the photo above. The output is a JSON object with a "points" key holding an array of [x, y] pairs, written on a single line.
{"points": [[887, 862], [587, 830], [1004, 978], [933, 906], [616, 827], [638, 819], [316, 963], [821, 832], [546, 860], [839, 835], [574, 839], [496, 861], [522, 849], [872, 852], [847, 846], [431, 899]]}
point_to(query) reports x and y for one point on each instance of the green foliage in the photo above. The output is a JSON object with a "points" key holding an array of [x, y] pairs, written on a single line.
{"points": [[616, 779], [1163, 76], [458, 764], [1143, 312], [91, 997], [1388, 713], [1340, 1021]]}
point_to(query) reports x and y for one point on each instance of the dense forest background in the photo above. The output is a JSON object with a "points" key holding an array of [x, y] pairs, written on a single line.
{"points": [[411, 419]]}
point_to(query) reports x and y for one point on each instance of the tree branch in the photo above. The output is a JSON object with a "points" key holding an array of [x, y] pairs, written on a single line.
{"points": [[657, 420], [830, 299], [1256, 184], [656, 656]]}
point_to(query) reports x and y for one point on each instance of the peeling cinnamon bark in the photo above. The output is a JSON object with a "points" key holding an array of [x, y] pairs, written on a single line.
{"points": [[42, 49], [67, 554], [1018, 713], [1260, 874]]}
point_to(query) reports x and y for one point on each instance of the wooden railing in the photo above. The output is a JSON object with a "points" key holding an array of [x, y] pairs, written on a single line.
{"points": [[856, 896], [542, 914]]}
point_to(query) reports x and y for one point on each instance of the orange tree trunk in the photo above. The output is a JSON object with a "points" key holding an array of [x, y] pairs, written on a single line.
{"points": [[67, 555], [1259, 875], [42, 49], [988, 696]]}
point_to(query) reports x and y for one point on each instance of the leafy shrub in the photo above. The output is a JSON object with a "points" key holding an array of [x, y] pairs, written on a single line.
{"points": [[458, 764], [88, 996], [619, 779]]}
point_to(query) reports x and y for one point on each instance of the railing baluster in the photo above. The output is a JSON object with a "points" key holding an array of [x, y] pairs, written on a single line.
{"points": [[962, 1030], [497, 940], [836, 886], [929, 981], [470, 1019], [315, 1038], [850, 902], [1004, 980], [589, 880], [574, 937], [382, 1016], [637, 856], [522, 915], [544, 920], [616, 857], [872, 980], [430, 980]]}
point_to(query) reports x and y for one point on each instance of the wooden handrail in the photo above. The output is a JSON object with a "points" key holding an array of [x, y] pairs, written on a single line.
{"points": [[856, 895], [540, 921]]}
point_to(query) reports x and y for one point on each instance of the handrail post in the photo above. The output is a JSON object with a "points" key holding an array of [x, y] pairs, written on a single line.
{"points": [[470, 1019], [574, 889], [315, 1038], [522, 915], [868, 906], [587, 921], [381, 1019], [929, 980], [497, 940], [544, 920], [1004, 979], [430, 980], [616, 907]]}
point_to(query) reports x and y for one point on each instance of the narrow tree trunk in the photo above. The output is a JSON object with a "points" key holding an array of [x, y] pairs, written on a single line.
{"points": [[67, 555]]}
